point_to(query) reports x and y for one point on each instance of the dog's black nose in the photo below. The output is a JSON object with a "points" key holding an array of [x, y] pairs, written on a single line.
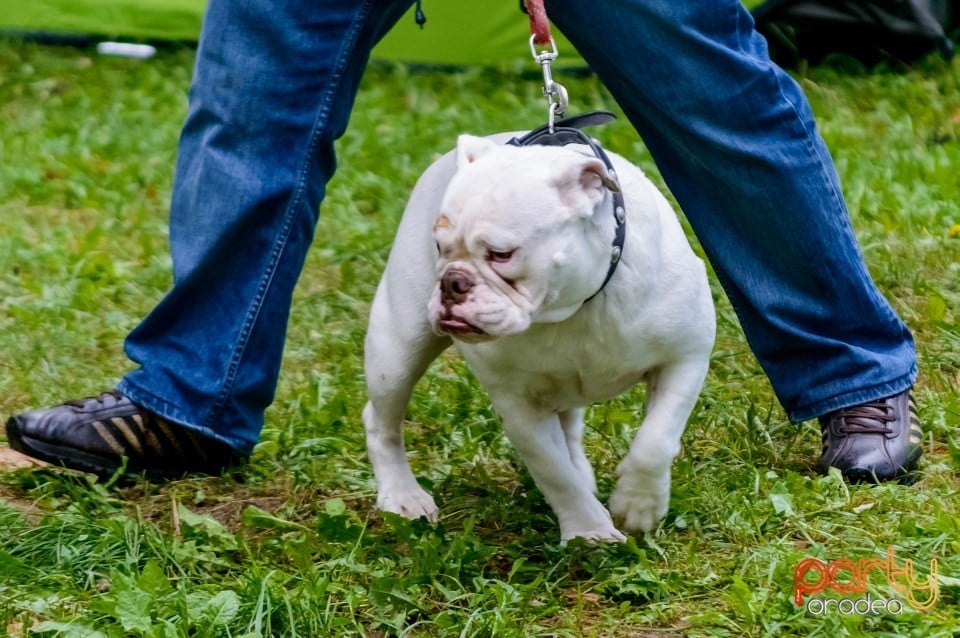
{"points": [[455, 285]]}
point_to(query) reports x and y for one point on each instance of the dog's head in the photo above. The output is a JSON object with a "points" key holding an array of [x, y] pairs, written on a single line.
{"points": [[523, 236]]}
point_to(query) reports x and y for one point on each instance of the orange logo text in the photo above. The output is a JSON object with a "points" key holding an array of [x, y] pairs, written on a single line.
{"points": [[847, 576]]}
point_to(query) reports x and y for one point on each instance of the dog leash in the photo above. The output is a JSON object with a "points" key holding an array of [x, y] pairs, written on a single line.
{"points": [[540, 38], [539, 25], [567, 131]]}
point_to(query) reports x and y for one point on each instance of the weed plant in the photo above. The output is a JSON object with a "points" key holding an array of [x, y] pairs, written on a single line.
{"points": [[292, 545]]}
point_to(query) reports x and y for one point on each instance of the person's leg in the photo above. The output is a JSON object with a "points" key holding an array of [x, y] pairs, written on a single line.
{"points": [[735, 141], [273, 87]]}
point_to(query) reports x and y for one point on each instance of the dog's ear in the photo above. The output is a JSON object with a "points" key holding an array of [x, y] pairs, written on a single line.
{"points": [[470, 148], [588, 177], [594, 175]]}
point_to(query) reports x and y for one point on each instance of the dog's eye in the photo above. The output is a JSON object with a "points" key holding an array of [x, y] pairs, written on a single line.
{"points": [[499, 256]]}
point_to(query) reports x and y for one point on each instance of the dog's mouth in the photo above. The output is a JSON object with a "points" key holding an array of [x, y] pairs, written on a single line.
{"points": [[458, 327]]}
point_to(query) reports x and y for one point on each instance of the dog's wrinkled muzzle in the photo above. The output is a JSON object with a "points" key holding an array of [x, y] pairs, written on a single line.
{"points": [[455, 287]]}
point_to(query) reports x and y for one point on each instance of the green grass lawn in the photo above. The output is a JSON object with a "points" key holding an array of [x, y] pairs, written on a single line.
{"points": [[293, 546]]}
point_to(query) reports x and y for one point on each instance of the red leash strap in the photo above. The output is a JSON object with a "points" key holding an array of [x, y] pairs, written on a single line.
{"points": [[539, 25]]}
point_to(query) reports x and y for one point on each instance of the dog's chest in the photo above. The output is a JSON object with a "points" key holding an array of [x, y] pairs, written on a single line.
{"points": [[566, 390], [562, 369]]}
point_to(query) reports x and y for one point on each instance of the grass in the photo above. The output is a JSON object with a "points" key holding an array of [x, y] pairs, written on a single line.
{"points": [[293, 546]]}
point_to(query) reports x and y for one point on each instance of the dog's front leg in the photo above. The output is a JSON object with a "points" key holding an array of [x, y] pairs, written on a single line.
{"points": [[542, 443], [573, 425], [398, 348], [642, 494]]}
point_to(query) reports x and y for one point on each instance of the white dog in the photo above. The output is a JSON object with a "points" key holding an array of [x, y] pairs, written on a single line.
{"points": [[502, 251]]}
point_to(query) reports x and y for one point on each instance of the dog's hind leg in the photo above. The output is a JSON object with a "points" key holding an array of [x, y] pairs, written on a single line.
{"points": [[642, 494], [397, 351]]}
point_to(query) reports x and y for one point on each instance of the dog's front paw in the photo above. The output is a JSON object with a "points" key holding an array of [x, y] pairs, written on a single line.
{"points": [[590, 521], [411, 502], [606, 534], [640, 499]]}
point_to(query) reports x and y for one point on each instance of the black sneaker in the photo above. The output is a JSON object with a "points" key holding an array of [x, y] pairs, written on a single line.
{"points": [[100, 434], [873, 442]]}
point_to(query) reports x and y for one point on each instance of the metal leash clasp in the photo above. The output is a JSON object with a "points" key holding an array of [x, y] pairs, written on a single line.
{"points": [[554, 92]]}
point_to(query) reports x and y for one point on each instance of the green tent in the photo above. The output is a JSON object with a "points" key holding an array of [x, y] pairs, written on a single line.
{"points": [[462, 32]]}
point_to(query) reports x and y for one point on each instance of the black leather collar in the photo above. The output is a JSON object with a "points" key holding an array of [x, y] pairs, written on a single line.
{"points": [[567, 131]]}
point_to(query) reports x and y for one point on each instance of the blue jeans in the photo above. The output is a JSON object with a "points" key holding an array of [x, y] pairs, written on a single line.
{"points": [[731, 133]]}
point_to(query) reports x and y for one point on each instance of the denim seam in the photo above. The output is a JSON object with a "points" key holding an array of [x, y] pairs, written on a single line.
{"points": [[296, 200], [838, 202], [878, 300], [848, 397]]}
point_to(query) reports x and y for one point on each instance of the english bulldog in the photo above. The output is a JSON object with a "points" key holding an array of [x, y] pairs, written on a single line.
{"points": [[505, 252]]}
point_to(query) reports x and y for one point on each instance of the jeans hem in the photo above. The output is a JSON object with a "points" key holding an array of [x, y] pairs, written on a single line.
{"points": [[855, 397], [172, 413]]}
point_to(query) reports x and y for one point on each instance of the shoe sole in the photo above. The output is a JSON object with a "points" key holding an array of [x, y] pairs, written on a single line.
{"points": [[860, 476], [907, 474]]}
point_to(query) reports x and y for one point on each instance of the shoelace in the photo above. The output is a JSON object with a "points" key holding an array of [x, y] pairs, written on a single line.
{"points": [[100, 398], [869, 418]]}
